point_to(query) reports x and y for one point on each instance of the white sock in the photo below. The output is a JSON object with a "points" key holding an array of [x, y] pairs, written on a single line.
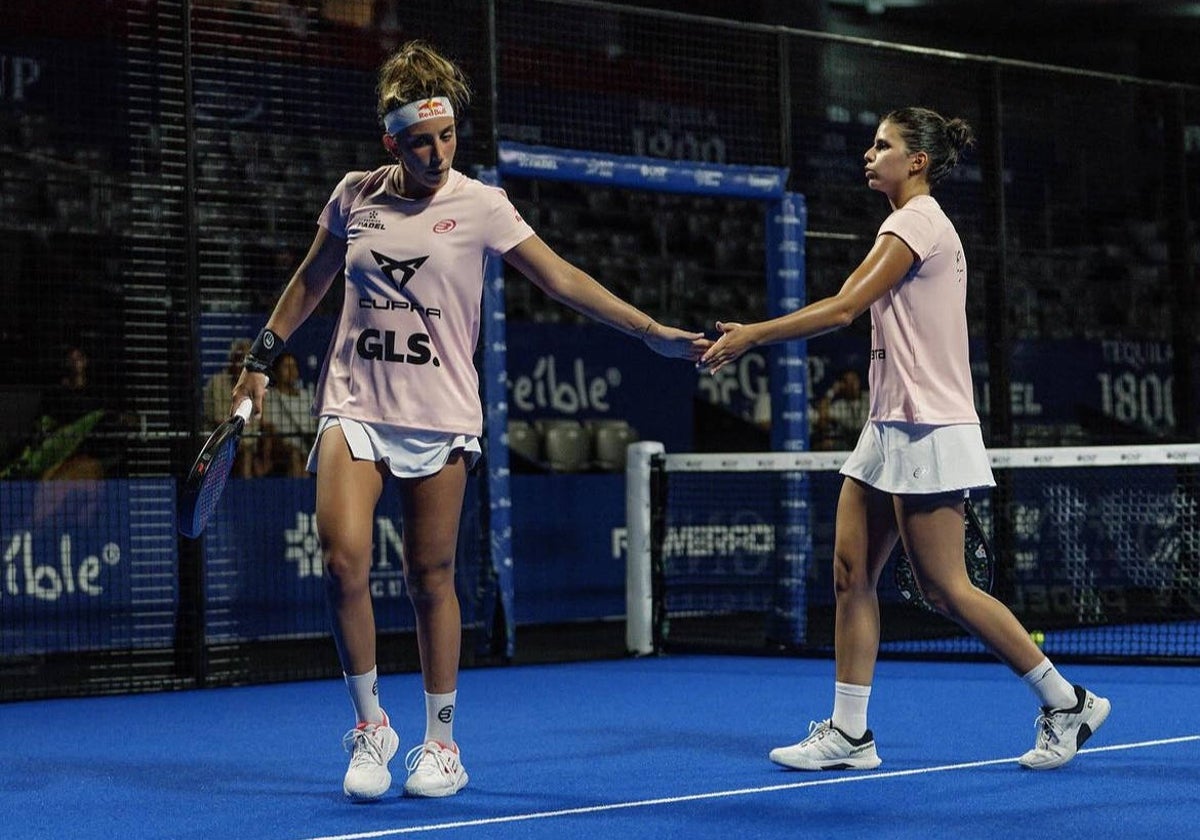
{"points": [[364, 695], [850, 708], [1052, 689], [439, 717]]}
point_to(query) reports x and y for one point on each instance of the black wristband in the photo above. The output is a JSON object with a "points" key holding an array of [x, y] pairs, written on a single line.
{"points": [[263, 352]]}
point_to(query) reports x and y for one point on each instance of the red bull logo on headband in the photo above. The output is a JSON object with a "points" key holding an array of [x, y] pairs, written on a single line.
{"points": [[431, 108], [414, 112]]}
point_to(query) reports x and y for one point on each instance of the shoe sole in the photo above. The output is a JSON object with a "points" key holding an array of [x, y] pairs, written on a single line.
{"points": [[366, 797], [839, 764], [1103, 707], [438, 794]]}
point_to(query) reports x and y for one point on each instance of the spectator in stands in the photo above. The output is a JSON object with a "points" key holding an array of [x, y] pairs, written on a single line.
{"points": [[72, 410], [840, 414], [398, 396], [74, 395], [219, 388], [81, 431], [918, 456], [287, 421]]}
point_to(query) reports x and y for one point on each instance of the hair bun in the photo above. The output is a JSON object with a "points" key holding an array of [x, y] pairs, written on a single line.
{"points": [[959, 133]]}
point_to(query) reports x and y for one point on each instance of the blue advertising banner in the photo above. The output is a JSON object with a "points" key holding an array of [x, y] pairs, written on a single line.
{"points": [[1098, 385], [264, 578], [71, 578], [1068, 388], [262, 562], [567, 530], [587, 372], [569, 545]]}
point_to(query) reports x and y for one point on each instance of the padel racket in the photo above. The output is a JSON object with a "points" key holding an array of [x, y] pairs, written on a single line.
{"points": [[205, 481], [981, 563]]}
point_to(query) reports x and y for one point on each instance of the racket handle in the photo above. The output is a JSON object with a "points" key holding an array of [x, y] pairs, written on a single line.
{"points": [[244, 408]]}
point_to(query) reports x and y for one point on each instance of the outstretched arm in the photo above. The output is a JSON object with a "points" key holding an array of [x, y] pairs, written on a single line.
{"points": [[580, 291], [884, 266]]}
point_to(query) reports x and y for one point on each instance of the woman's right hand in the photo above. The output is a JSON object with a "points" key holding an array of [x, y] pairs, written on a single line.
{"points": [[252, 385], [735, 340]]}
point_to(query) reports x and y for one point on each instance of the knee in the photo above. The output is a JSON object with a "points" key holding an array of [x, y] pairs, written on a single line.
{"points": [[945, 601], [346, 572], [849, 575], [430, 581], [936, 598]]}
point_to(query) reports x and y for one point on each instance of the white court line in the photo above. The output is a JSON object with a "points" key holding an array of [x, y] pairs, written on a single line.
{"points": [[720, 794]]}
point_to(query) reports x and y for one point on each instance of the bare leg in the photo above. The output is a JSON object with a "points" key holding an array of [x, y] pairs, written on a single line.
{"points": [[932, 529], [431, 507], [347, 492], [864, 537]]}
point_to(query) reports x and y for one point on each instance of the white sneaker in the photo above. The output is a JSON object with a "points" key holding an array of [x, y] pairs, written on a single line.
{"points": [[371, 747], [434, 770], [829, 748], [1061, 732]]}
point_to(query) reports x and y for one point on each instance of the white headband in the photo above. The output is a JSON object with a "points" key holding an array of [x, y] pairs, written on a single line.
{"points": [[414, 112]]}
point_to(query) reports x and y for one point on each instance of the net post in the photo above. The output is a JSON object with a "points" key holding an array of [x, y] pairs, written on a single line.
{"points": [[497, 506], [787, 221], [639, 601]]}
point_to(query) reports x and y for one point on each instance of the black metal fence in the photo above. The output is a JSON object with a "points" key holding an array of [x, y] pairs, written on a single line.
{"points": [[163, 164]]}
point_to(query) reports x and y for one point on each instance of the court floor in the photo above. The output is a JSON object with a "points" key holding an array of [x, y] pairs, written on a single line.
{"points": [[671, 747]]}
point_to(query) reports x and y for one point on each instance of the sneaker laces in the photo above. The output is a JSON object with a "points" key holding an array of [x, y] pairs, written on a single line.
{"points": [[1048, 731], [363, 748], [417, 754], [817, 729]]}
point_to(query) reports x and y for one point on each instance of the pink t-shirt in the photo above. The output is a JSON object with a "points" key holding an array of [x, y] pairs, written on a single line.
{"points": [[920, 361], [402, 351]]}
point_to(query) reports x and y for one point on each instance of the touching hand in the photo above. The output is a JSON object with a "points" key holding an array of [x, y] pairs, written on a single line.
{"points": [[735, 340], [675, 343]]}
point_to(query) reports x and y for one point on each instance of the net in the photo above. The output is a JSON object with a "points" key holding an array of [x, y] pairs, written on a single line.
{"points": [[1098, 553]]}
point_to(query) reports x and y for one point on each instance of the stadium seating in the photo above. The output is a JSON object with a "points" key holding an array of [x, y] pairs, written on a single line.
{"points": [[610, 440]]}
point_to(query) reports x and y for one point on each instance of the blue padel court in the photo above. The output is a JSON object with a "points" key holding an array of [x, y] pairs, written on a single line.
{"points": [[663, 747]]}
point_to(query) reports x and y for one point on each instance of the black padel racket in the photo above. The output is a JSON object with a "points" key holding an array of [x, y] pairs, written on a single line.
{"points": [[205, 481], [981, 563]]}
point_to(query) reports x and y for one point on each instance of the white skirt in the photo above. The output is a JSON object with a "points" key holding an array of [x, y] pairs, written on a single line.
{"points": [[911, 458], [408, 453]]}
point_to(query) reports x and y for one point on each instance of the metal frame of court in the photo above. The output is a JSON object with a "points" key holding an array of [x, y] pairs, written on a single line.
{"points": [[785, 223]]}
